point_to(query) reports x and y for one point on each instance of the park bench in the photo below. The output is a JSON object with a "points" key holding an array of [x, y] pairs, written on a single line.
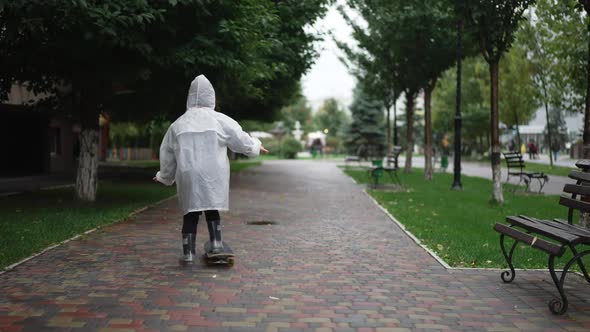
{"points": [[390, 168], [558, 235], [515, 165]]}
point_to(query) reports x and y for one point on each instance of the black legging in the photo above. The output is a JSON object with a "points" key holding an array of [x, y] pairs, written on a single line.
{"points": [[191, 219]]}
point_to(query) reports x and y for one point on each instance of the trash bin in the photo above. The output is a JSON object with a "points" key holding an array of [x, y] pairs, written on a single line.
{"points": [[376, 171], [444, 162]]}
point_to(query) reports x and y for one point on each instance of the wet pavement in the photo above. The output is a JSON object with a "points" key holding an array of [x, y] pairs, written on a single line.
{"points": [[332, 262]]}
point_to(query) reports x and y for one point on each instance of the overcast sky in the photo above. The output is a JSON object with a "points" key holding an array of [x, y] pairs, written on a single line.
{"points": [[329, 78]]}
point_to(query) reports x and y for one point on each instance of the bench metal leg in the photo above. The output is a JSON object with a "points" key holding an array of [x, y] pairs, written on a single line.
{"points": [[508, 276], [580, 263], [542, 182], [559, 306]]}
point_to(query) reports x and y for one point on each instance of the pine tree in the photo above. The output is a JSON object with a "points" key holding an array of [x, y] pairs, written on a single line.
{"points": [[367, 128]]}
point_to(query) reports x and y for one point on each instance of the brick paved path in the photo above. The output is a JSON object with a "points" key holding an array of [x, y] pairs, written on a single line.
{"points": [[334, 262]]}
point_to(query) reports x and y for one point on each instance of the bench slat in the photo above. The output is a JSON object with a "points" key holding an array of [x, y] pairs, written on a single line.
{"points": [[579, 176], [577, 189], [572, 229], [574, 204], [542, 244], [549, 231]]}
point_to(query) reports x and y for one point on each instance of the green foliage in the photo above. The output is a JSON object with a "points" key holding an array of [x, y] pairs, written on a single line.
{"points": [[330, 116], [474, 105], [366, 129], [254, 52], [520, 97], [556, 123], [290, 147], [495, 22], [253, 125], [405, 47], [297, 111], [287, 147], [557, 41]]}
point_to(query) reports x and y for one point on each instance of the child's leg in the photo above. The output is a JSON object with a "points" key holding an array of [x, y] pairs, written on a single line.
{"points": [[189, 235], [214, 227]]}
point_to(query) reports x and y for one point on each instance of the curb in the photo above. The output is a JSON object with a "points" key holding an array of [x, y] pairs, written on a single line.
{"points": [[53, 246]]}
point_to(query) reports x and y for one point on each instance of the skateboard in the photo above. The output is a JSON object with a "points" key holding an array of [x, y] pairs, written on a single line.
{"points": [[226, 256]]}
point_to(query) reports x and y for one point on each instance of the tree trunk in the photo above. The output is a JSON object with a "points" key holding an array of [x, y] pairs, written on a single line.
{"points": [[587, 108], [428, 171], [86, 99], [549, 136], [497, 194], [585, 217], [87, 176], [395, 139], [518, 140], [388, 124], [410, 96]]}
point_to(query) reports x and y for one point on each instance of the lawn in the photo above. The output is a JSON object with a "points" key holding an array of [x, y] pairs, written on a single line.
{"points": [[30, 222], [457, 225]]}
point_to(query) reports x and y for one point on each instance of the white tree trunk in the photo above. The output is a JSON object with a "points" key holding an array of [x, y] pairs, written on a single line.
{"points": [[497, 193], [87, 176]]}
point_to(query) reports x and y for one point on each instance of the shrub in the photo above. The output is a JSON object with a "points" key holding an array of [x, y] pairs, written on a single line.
{"points": [[290, 147]]}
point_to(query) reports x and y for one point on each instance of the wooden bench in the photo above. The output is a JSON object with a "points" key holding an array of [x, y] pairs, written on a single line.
{"points": [[390, 168], [515, 165], [558, 236]]}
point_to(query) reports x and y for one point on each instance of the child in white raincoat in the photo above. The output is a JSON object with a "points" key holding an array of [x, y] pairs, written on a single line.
{"points": [[194, 155]]}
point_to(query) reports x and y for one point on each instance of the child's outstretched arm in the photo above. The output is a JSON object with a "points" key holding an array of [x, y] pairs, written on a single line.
{"points": [[239, 141], [167, 172]]}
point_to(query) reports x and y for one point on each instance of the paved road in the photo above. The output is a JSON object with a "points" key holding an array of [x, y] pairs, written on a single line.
{"points": [[334, 262]]}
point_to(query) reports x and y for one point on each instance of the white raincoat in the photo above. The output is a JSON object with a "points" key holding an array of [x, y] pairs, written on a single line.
{"points": [[194, 151]]}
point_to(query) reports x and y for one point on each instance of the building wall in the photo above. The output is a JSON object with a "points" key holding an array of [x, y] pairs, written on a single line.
{"points": [[62, 145]]}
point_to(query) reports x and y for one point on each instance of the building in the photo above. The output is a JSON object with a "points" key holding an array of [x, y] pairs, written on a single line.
{"points": [[35, 142]]}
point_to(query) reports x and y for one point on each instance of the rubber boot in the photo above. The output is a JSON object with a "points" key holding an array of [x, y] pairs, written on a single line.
{"points": [[188, 247], [214, 227]]}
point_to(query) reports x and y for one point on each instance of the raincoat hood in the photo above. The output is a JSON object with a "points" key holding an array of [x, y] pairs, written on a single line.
{"points": [[201, 94]]}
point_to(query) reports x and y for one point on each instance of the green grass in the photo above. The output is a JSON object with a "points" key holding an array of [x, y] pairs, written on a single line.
{"points": [[30, 222], [457, 225]]}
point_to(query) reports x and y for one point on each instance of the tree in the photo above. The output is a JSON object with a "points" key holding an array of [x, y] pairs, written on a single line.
{"points": [[299, 110], [406, 45], [374, 63], [366, 127], [330, 116], [86, 53], [474, 105], [537, 39], [558, 129], [520, 98], [495, 22]]}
